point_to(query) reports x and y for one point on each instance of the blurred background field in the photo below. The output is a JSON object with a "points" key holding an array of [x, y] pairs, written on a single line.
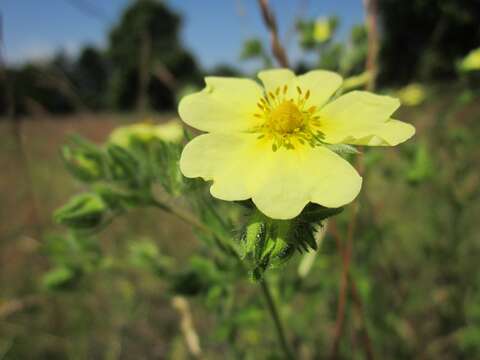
{"points": [[416, 243]]}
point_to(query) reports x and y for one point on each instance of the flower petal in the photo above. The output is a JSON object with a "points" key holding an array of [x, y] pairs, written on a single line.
{"points": [[224, 105], [274, 78], [314, 175], [363, 118], [280, 183], [389, 133], [322, 85], [227, 159]]}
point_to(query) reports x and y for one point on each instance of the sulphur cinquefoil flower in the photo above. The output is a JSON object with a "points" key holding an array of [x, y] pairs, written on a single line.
{"points": [[271, 143]]}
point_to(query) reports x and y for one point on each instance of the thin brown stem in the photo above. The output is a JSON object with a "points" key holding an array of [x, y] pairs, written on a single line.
{"points": [[270, 22], [371, 65], [357, 301], [348, 283], [345, 252]]}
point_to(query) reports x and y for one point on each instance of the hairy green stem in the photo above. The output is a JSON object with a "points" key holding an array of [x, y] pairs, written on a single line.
{"points": [[196, 223], [272, 308], [192, 220]]}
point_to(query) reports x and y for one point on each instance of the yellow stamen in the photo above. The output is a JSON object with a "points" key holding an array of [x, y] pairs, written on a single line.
{"points": [[286, 118]]}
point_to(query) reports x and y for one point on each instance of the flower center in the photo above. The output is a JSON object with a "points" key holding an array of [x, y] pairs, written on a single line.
{"points": [[286, 118]]}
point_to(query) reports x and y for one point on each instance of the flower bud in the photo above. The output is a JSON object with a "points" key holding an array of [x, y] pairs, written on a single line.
{"points": [[84, 160]]}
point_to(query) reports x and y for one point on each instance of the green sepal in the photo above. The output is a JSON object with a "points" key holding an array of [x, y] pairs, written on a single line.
{"points": [[314, 213], [118, 199], [166, 170], [264, 243], [84, 211], [124, 166]]}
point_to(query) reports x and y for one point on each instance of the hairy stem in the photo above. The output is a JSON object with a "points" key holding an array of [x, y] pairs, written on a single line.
{"points": [[276, 319], [196, 223], [193, 221]]}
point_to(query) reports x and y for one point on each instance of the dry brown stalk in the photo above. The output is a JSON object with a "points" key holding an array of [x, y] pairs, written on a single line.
{"points": [[371, 65], [371, 12], [187, 327], [270, 22]]}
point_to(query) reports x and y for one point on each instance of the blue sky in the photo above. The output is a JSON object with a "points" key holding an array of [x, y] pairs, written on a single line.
{"points": [[213, 30]]}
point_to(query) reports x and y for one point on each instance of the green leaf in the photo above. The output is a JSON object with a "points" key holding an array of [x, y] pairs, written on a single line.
{"points": [[252, 48]]}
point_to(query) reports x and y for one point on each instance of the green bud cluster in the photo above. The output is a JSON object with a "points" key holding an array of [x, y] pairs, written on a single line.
{"points": [[120, 177], [269, 243]]}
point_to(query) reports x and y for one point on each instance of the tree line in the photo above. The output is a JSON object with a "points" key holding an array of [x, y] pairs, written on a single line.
{"points": [[145, 66]]}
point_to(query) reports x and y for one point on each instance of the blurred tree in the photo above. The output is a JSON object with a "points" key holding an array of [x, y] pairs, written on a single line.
{"points": [[354, 60], [253, 49], [226, 70], [90, 74], [144, 43], [37, 91], [424, 38]]}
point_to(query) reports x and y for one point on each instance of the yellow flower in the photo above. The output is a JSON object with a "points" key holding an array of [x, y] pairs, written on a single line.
{"points": [[471, 62], [322, 30], [146, 131], [412, 95], [271, 144]]}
